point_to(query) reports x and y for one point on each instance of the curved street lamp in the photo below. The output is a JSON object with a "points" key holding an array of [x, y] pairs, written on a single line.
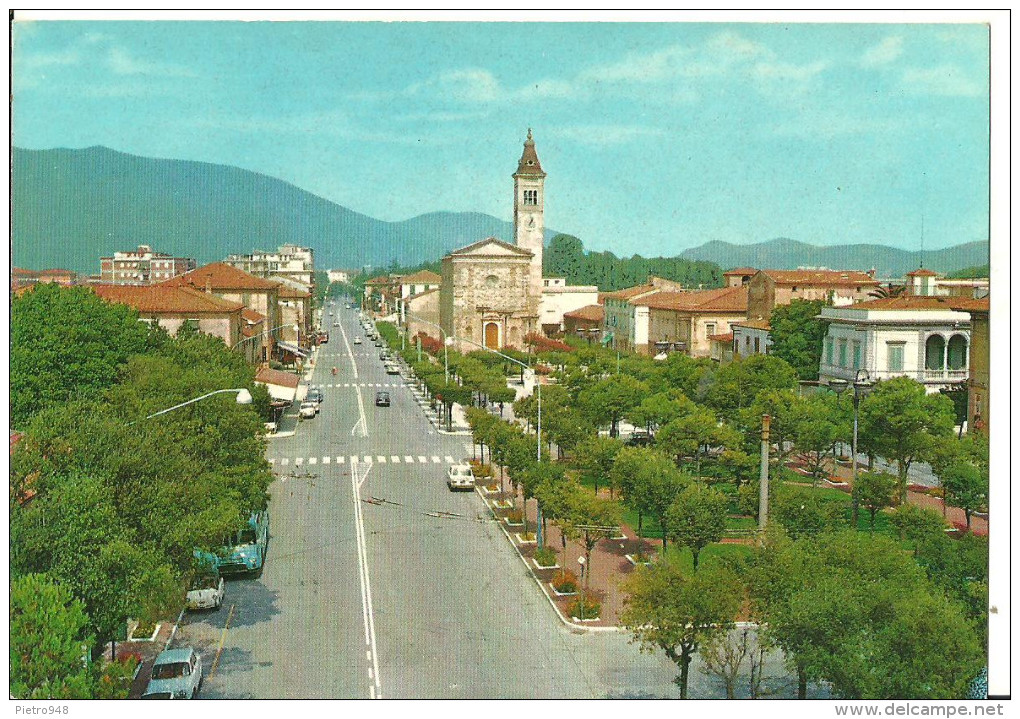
{"points": [[243, 397]]}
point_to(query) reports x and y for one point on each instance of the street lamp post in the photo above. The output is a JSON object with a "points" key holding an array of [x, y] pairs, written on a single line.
{"points": [[538, 385], [243, 397], [861, 383]]}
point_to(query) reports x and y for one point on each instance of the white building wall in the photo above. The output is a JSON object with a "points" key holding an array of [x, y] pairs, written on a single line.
{"points": [[558, 300]]}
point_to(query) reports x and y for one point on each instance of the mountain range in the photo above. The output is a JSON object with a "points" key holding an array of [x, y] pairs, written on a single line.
{"points": [[72, 206]]}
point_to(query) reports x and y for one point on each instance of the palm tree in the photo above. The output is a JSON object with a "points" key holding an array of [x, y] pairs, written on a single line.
{"points": [[888, 291]]}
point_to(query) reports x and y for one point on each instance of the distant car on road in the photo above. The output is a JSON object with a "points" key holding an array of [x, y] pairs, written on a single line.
{"points": [[357, 340], [460, 477], [176, 674], [308, 410], [314, 395], [382, 399], [347, 307], [378, 343], [640, 438], [392, 368]]}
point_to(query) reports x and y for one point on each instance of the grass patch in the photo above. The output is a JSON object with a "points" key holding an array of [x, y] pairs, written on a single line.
{"points": [[711, 554]]}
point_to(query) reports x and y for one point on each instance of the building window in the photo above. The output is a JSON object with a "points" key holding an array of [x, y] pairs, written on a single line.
{"points": [[842, 353], [795, 288], [756, 347], [934, 352], [895, 350], [747, 343], [857, 354], [531, 197], [709, 328], [957, 352]]}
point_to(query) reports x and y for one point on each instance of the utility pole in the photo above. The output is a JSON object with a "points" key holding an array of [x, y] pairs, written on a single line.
{"points": [[763, 477]]}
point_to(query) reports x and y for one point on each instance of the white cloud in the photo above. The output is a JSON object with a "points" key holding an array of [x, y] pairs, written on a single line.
{"points": [[121, 62], [944, 80], [884, 52]]}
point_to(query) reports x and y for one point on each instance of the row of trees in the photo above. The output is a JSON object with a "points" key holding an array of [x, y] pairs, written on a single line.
{"points": [[105, 505]]}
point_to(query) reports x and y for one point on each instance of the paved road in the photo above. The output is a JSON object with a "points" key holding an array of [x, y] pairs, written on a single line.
{"points": [[361, 600]]}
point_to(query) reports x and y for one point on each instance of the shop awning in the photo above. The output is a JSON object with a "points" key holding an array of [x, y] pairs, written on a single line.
{"points": [[293, 349]]}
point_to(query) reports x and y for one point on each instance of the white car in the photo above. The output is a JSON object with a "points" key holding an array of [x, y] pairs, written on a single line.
{"points": [[176, 674], [357, 340], [460, 477], [206, 591], [392, 368], [308, 410]]}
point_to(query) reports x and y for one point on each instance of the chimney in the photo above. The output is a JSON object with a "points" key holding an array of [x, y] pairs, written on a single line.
{"points": [[871, 273], [208, 285]]}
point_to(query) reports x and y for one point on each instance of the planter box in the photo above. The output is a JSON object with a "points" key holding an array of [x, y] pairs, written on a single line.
{"points": [[503, 504], [512, 524], [630, 558], [539, 566], [521, 540], [586, 619], [487, 490], [561, 594], [133, 638]]}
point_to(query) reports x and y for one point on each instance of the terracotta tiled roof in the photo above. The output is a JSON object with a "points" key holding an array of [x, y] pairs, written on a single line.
{"points": [[726, 299], [821, 277], [922, 273], [727, 337], [381, 280], [514, 249], [60, 272], [422, 277], [290, 293], [756, 324], [159, 299], [529, 164], [740, 271], [921, 302], [412, 298], [220, 276], [591, 313], [252, 316], [277, 377], [602, 298], [628, 292]]}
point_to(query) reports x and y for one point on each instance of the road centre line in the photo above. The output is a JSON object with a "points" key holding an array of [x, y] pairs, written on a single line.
{"points": [[366, 586], [223, 638], [350, 354]]}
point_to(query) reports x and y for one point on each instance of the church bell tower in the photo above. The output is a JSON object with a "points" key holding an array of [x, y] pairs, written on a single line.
{"points": [[529, 223]]}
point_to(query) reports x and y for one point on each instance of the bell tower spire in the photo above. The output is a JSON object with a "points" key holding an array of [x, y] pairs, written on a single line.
{"points": [[529, 210]]}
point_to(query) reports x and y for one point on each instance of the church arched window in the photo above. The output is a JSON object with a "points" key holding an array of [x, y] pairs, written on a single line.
{"points": [[492, 281]]}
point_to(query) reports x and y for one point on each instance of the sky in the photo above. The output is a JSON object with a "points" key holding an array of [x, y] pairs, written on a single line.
{"points": [[656, 137]]}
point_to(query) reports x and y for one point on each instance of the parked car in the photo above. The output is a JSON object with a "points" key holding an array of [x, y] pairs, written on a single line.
{"points": [[176, 674], [460, 477], [378, 343], [382, 399], [308, 410], [206, 589], [314, 395], [357, 340], [247, 551], [640, 438], [384, 355], [391, 368]]}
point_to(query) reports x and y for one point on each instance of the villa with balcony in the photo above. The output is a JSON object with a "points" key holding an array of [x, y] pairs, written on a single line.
{"points": [[924, 338]]}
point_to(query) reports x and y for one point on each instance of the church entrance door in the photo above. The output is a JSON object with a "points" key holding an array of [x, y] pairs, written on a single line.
{"points": [[492, 335]]}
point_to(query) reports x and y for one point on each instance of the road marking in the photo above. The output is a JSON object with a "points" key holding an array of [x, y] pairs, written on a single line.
{"points": [[362, 421], [272, 460], [325, 460], [340, 459], [409, 459], [368, 615], [354, 459], [421, 459], [313, 460], [380, 459], [368, 460], [223, 638], [435, 459], [449, 459], [395, 459], [284, 461], [298, 461], [354, 365]]}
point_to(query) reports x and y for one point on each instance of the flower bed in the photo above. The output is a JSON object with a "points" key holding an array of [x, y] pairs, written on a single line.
{"points": [[585, 608], [545, 558], [564, 583], [144, 631]]}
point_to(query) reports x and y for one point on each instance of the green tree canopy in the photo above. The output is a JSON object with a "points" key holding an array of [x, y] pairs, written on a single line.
{"points": [[696, 518], [797, 335]]}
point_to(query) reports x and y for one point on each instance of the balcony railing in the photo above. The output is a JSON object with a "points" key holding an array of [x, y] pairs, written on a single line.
{"points": [[924, 375]]}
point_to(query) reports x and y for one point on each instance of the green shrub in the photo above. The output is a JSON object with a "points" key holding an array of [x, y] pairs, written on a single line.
{"points": [[545, 557], [144, 629], [515, 516], [585, 607], [564, 581]]}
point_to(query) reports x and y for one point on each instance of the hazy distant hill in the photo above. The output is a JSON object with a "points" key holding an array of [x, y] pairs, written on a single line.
{"points": [[73, 206], [70, 207], [783, 253]]}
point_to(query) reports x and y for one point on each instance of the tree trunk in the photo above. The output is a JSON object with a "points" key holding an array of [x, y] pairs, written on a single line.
{"points": [[966, 513], [694, 552], [685, 670], [640, 518], [873, 511], [801, 683]]}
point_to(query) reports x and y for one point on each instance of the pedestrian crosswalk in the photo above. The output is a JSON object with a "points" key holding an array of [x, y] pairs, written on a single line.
{"points": [[341, 385], [362, 459]]}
